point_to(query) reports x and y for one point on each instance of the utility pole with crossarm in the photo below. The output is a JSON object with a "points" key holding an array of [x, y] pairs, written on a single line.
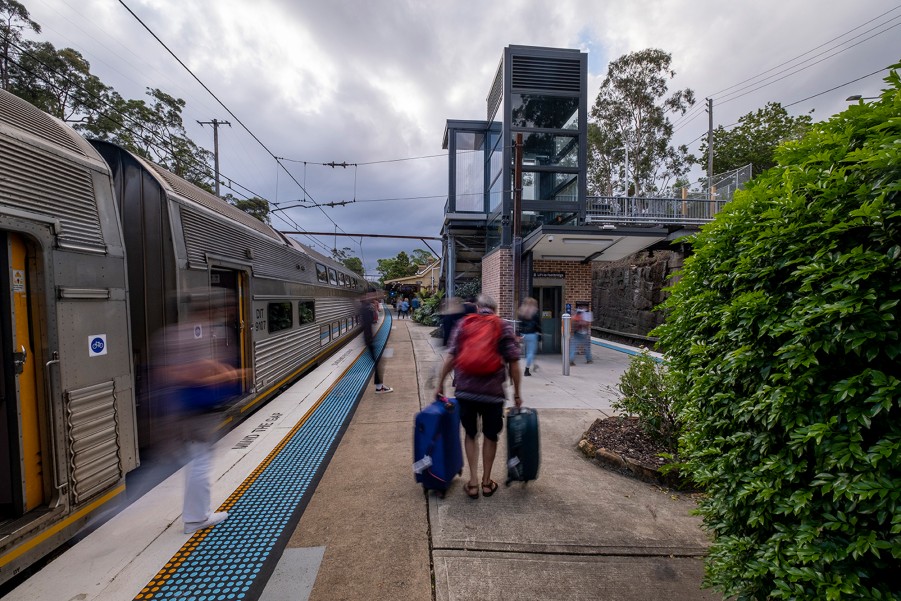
{"points": [[215, 123]]}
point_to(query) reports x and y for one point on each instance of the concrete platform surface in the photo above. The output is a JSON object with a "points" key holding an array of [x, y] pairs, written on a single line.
{"points": [[577, 532]]}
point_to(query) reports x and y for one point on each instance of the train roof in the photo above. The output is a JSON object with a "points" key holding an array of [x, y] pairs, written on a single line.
{"points": [[18, 116], [179, 186]]}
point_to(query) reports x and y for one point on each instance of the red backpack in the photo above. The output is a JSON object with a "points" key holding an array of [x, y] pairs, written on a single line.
{"points": [[477, 345]]}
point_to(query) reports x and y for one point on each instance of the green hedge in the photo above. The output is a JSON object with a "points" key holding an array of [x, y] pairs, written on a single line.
{"points": [[783, 337]]}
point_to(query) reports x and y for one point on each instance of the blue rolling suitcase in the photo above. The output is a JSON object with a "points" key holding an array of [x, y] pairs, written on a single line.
{"points": [[437, 453], [523, 449]]}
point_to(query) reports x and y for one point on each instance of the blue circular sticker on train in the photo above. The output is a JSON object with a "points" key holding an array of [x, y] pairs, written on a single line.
{"points": [[96, 345]]}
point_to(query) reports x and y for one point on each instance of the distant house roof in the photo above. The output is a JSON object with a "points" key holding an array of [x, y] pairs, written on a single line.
{"points": [[432, 269]]}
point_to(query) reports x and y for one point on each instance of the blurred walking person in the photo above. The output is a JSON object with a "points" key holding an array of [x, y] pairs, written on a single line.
{"points": [[368, 310], [196, 387], [581, 337], [530, 330]]}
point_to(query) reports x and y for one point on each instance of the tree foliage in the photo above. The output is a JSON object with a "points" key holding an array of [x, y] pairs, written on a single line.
{"points": [[632, 111], [399, 266], [783, 337], [254, 206], [60, 82], [14, 20], [755, 139], [348, 259]]}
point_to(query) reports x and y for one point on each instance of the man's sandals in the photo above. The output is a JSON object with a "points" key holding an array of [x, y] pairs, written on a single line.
{"points": [[488, 489], [471, 490]]}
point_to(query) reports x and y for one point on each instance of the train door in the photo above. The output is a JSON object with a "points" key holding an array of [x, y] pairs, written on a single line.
{"points": [[21, 460], [227, 319], [550, 306]]}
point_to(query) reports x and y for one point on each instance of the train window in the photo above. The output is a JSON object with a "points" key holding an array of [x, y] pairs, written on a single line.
{"points": [[343, 326], [281, 316], [332, 276], [336, 330], [341, 279], [324, 335], [306, 311], [321, 273]]}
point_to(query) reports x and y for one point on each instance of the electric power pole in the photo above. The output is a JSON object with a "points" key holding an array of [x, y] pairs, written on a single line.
{"points": [[517, 223], [710, 144], [215, 123]]}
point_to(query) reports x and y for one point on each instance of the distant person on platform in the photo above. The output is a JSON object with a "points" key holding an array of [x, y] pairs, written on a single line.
{"points": [[451, 313], [482, 351], [530, 330], [404, 308], [414, 304], [581, 337], [369, 316]]}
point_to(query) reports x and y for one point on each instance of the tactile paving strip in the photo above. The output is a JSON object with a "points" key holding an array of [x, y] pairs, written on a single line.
{"points": [[233, 560]]}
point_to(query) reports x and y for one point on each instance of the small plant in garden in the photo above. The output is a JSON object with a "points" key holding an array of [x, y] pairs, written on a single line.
{"points": [[427, 313], [646, 393]]}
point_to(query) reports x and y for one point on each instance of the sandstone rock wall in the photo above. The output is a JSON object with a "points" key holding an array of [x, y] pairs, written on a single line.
{"points": [[626, 292]]}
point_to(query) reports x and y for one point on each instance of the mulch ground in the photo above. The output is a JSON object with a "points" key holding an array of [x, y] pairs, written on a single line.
{"points": [[623, 435]]}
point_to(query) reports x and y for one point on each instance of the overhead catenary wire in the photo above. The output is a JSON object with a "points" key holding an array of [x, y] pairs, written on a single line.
{"points": [[697, 110], [150, 137], [228, 110]]}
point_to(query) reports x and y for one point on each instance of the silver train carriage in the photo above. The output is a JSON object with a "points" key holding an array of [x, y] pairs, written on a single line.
{"points": [[101, 250]]}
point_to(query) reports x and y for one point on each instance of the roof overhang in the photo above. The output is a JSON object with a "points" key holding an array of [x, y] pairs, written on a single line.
{"points": [[604, 243]]}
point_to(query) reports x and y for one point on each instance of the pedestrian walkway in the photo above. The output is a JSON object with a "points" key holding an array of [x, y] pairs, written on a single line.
{"points": [[578, 532]]}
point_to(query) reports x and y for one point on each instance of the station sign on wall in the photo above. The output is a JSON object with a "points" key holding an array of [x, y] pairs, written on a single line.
{"points": [[549, 275]]}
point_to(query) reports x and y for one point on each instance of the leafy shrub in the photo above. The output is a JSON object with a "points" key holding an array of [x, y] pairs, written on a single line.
{"points": [[783, 340], [427, 313], [646, 393]]}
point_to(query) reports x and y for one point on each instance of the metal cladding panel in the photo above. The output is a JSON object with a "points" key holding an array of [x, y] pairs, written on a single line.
{"points": [[328, 309], [551, 74], [214, 203], [94, 450], [278, 356], [36, 122], [497, 92], [205, 235], [49, 184]]}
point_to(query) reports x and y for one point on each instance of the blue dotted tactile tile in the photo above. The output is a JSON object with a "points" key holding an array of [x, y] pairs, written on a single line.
{"points": [[628, 351], [233, 560]]}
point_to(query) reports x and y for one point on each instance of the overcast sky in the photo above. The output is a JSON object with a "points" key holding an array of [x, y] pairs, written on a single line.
{"points": [[375, 80]]}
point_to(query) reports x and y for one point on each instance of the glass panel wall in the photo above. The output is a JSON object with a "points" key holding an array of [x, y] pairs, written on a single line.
{"points": [[552, 150], [549, 186], [470, 171], [495, 168], [532, 219], [535, 111]]}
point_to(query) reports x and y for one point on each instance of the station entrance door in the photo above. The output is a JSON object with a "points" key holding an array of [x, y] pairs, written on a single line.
{"points": [[550, 307]]}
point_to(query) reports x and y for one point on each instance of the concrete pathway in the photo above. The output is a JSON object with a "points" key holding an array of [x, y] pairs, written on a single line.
{"points": [[578, 532]]}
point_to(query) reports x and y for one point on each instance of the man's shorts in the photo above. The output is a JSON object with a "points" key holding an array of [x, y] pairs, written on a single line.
{"points": [[492, 418]]}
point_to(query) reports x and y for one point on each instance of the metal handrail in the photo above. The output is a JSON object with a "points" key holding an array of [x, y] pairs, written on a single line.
{"points": [[642, 210]]}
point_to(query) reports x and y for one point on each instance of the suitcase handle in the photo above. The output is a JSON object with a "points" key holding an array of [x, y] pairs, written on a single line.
{"points": [[447, 404]]}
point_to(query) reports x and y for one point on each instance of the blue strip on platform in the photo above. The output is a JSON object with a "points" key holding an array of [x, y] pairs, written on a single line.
{"points": [[233, 560], [624, 349]]}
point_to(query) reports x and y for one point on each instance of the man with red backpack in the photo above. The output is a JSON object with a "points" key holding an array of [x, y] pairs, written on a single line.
{"points": [[482, 352]]}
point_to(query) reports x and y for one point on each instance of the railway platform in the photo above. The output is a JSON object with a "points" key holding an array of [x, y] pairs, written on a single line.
{"points": [[323, 505]]}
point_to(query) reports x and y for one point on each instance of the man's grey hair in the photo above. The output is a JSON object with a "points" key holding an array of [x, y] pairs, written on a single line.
{"points": [[486, 302]]}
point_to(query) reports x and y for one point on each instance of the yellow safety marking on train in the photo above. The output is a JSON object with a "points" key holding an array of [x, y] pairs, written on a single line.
{"points": [[184, 553], [24, 548]]}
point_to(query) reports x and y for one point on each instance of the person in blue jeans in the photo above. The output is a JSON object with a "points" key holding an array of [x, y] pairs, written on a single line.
{"points": [[530, 330], [581, 337]]}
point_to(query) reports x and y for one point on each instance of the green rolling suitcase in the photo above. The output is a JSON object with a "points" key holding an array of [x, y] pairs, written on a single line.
{"points": [[523, 452]]}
